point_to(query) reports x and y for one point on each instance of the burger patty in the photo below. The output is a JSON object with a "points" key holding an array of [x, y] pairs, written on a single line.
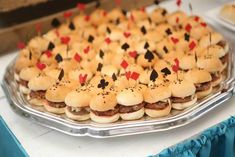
{"points": [[57, 104], [203, 86], [78, 110], [37, 94], [224, 59], [160, 105], [215, 77], [181, 100], [106, 113], [129, 109], [222, 43], [23, 83]]}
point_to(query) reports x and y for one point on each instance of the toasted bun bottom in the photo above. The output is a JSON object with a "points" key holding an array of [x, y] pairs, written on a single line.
{"points": [[54, 109], [24, 90], [158, 113], [16, 76], [181, 106], [133, 115], [104, 119], [36, 102], [204, 93], [217, 82], [76, 117]]}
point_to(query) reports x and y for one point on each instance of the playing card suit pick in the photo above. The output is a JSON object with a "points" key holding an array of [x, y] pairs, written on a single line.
{"points": [[30, 55], [61, 75], [77, 57], [20, 45], [114, 77], [134, 75], [168, 31], [166, 71], [55, 23], [188, 27], [50, 46], [48, 53], [40, 66], [174, 40], [108, 30], [58, 58], [81, 6], [125, 46], [100, 66], [128, 75], [146, 45], [108, 40], [103, 84], [203, 24], [186, 37], [65, 40], [82, 79], [101, 54], [153, 75], [133, 54], [175, 67], [127, 34], [165, 49], [149, 56], [196, 18], [192, 45], [71, 26], [86, 50], [178, 3], [124, 64], [67, 14], [143, 30], [90, 39]]}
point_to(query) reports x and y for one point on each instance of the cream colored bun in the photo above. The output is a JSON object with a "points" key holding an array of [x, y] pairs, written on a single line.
{"points": [[23, 62], [129, 97], [24, 89], [198, 32], [54, 73], [28, 73], [144, 62], [182, 88], [158, 113], [74, 74], [139, 15], [157, 93], [77, 117], [57, 93], [198, 76], [187, 62], [228, 12], [103, 102], [68, 65], [41, 82], [181, 106], [217, 82], [205, 40], [38, 43], [158, 15], [144, 76], [133, 115], [213, 50], [36, 102], [16, 76], [210, 64], [104, 119], [172, 18], [78, 98], [204, 93], [54, 109], [109, 70]]}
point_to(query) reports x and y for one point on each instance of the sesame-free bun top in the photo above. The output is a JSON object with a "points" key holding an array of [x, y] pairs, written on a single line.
{"points": [[41, 82], [187, 62], [182, 88], [154, 94], [198, 76], [129, 97], [78, 98], [213, 50], [57, 93], [103, 101], [205, 40], [210, 64], [28, 73]]}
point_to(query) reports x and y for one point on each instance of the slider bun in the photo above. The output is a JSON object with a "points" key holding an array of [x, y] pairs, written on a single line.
{"points": [[228, 12], [57, 93], [79, 21], [154, 36], [38, 43], [158, 113], [41, 82], [114, 14], [23, 62], [144, 62], [109, 70], [76, 117], [139, 15], [133, 115], [104, 119], [116, 34], [198, 76], [28, 73], [103, 102], [54, 73], [24, 89], [74, 74], [182, 88], [36, 102], [198, 32], [97, 16], [204, 93], [187, 62], [68, 65], [157, 93], [205, 40], [78, 98], [171, 18], [157, 15], [181, 106], [210, 64], [54, 109], [214, 51], [217, 82], [144, 76], [129, 97]]}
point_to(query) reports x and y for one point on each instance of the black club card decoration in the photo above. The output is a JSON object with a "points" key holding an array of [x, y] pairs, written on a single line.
{"points": [[58, 58], [103, 84]]}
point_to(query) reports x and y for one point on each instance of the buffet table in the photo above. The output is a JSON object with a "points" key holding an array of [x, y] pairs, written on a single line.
{"points": [[41, 141]]}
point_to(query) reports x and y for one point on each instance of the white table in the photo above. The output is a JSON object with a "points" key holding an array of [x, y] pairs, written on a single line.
{"points": [[40, 141]]}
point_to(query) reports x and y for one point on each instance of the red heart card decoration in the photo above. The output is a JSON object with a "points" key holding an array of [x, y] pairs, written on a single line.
{"points": [[203, 24], [77, 57], [177, 20], [174, 40], [133, 54], [41, 66], [67, 14], [65, 40], [175, 67], [86, 50], [192, 45], [82, 78], [196, 18], [81, 6], [38, 27], [127, 34], [20, 45], [188, 27], [48, 53], [178, 3], [108, 40]]}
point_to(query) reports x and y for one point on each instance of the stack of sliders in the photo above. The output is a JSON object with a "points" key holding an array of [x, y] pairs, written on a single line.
{"points": [[115, 65]]}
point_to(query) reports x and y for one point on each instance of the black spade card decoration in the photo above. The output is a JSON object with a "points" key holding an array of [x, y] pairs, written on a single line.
{"points": [[143, 30], [90, 39], [166, 71], [71, 26], [50, 46], [61, 75], [168, 31], [101, 54], [186, 37], [114, 77], [165, 49], [55, 23], [125, 46], [103, 84], [149, 56], [108, 30], [99, 68], [146, 45], [153, 75], [58, 58]]}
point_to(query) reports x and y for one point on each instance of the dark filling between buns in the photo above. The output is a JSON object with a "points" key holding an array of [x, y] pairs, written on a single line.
{"points": [[37, 94], [130, 109], [224, 59], [181, 100], [57, 104], [203, 86], [215, 77], [160, 105], [106, 113], [222, 43], [23, 83], [78, 110]]}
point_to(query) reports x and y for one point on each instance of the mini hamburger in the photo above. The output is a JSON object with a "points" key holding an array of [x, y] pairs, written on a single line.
{"points": [[104, 108], [77, 102], [38, 86], [202, 81], [131, 105], [182, 94], [157, 100]]}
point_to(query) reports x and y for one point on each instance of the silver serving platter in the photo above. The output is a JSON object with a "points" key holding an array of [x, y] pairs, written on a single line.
{"points": [[146, 124]]}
